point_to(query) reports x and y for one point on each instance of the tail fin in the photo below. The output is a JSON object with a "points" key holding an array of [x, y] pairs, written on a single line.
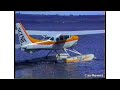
{"points": [[22, 34]]}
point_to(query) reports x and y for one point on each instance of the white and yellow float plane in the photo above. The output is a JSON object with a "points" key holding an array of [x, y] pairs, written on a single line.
{"points": [[55, 40]]}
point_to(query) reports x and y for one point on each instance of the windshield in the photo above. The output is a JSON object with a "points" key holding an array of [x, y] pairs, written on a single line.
{"points": [[66, 36]]}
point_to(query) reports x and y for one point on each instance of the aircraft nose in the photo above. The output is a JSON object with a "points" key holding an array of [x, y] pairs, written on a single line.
{"points": [[76, 38]]}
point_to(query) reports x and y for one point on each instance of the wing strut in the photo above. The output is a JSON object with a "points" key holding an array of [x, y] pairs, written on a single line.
{"points": [[74, 51]]}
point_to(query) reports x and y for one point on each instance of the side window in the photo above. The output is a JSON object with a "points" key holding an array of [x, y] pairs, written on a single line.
{"points": [[61, 38], [66, 37], [57, 39]]}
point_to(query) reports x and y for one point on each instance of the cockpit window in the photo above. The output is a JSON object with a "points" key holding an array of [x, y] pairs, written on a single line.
{"points": [[66, 37]]}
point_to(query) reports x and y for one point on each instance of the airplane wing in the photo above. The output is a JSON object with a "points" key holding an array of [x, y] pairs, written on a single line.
{"points": [[52, 33]]}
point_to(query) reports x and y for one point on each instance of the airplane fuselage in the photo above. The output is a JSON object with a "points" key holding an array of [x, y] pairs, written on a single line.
{"points": [[51, 45], [30, 44]]}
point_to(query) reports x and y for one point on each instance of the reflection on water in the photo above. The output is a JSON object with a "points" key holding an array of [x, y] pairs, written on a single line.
{"points": [[51, 70]]}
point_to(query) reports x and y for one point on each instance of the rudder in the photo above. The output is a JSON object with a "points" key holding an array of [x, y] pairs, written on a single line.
{"points": [[22, 34]]}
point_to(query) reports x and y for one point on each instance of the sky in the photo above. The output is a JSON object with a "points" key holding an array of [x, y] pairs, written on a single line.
{"points": [[63, 12]]}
